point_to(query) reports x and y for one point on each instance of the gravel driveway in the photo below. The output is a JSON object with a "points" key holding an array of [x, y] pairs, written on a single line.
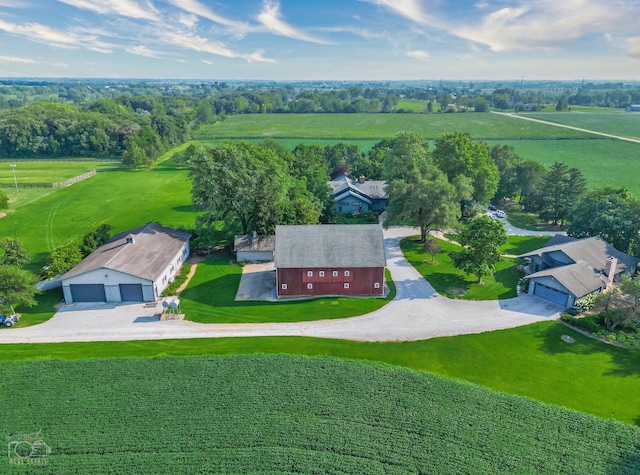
{"points": [[417, 313]]}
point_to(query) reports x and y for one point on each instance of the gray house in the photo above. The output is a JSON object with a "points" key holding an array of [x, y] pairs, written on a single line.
{"points": [[135, 266], [254, 248], [354, 196], [567, 268]]}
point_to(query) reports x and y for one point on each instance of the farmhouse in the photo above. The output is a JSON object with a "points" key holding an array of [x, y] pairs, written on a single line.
{"points": [[633, 108], [329, 260], [355, 196], [134, 266], [567, 268], [251, 247]]}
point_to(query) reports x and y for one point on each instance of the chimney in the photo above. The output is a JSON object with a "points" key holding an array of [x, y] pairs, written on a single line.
{"points": [[361, 179], [610, 269]]}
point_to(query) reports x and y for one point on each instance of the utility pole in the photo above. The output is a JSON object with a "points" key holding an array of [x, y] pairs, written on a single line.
{"points": [[15, 180]]}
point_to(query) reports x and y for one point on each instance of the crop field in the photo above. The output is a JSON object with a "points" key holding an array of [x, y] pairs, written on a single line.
{"points": [[290, 144], [286, 414], [209, 298], [627, 124], [604, 162], [378, 126], [123, 199]]}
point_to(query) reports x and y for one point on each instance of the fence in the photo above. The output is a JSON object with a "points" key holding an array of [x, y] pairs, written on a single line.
{"points": [[60, 184]]}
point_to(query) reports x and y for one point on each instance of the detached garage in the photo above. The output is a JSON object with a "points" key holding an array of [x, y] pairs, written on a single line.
{"points": [[134, 266]]}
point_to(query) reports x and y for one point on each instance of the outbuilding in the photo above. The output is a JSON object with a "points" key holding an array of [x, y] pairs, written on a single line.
{"points": [[134, 266], [252, 247], [329, 260]]}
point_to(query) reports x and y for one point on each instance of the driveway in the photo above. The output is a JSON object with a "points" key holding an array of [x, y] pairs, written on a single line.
{"points": [[418, 312]]}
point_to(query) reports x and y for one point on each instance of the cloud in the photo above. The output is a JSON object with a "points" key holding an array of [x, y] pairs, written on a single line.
{"points": [[410, 9], [197, 8], [39, 33], [126, 8], [210, 63], [633, 47], [14, 4], [203, 45], [271, 19], [15, 59], [419, 54], [543, 23], [142, 50]]}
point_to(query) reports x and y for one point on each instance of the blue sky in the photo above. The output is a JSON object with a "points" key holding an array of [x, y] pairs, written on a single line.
{"points": [[321, 39]]}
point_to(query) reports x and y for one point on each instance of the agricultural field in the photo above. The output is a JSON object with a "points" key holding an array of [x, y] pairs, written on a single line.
{"points": [[626, 125], [285, 414], [209, 298], [290, 144], [378, 126]]}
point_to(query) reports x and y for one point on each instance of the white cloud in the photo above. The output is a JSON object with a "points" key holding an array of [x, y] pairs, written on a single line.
{"points": [[544, 23], [62, 39], [197, 8], [126, 8], [15, 59], [210, 63], [270, 17], [203, 45], [410, 9], [419, 54], [633, 47], [142, 50]]}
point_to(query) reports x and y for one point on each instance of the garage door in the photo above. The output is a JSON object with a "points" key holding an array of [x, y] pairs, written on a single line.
{"points": [[88, 293], [554, 295], [131, 292]]}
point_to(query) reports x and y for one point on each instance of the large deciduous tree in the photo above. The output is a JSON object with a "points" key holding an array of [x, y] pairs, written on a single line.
{"points": [[404, 154], [62, 260], [14, 252], [480, 240], [426, 199], [17, 287], [621, 304]]}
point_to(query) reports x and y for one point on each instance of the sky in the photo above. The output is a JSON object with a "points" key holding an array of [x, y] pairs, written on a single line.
{"points": [[321, 39]]}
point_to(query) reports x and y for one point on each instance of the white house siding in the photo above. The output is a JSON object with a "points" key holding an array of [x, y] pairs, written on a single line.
{"points": [[242, 256], [171, 270], [111, 280]]}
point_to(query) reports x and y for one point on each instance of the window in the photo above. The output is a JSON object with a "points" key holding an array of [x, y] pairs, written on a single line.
{"points": [[346, 285], [309, 286], [347, 273], [309, 273], [321, 273], [335, 273], [376, 285], [284, 287]]}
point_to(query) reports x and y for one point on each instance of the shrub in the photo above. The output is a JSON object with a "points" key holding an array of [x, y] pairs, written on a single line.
{"points": [[178, 281], [587, 302]]}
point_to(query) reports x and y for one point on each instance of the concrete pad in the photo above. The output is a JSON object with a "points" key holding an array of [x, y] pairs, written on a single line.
{"points": [[258, 282]]}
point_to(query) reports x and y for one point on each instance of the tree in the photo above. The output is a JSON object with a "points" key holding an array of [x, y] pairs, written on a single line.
{"points": [[93, 240], [528, 178], [457, 155], [560, 189], [14, 253], [426, 199], [62, 260], [406, 152], [621, 304], [17, 287], [480, 240], [4, 200], [432, 248]]}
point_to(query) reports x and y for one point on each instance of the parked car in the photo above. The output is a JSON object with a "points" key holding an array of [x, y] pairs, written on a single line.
{"points": [[8, 321], [492, 207], [500, 213]]}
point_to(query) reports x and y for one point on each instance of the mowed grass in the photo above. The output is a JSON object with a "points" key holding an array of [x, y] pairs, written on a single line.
{"points": [[443, 276], [532, 360], [517, 245], [289, 414], [48, 171], [604, 162], [209, 298], [378, 126], [290, 144], [122, 199], [626, 125]]}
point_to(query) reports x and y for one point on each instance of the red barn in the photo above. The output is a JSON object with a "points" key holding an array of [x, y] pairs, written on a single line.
{"points": [[338, 259]]}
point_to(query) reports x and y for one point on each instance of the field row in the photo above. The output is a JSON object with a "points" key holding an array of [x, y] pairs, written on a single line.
{"points": [[279, 413]]}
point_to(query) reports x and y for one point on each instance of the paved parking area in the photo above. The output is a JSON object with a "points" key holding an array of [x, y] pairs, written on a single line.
{"points": [[258, 282]]}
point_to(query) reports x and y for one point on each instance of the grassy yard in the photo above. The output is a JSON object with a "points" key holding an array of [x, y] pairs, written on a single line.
{"points": [[627, 124], [209, 299], [48, 171], [378, 126], [123, 199], [290, 414], [532, 361], [517, 245], [443, 276]]}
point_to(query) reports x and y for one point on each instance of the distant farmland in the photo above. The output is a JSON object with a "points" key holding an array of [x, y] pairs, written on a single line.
{"points": [[625, 124]]}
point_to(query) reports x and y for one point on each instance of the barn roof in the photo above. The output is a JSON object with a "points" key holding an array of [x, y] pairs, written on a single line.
{"points": [[330, 245], [144, 252]]}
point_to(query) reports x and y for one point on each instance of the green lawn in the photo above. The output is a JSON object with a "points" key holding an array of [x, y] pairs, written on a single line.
{"points": [[532, 361], [517, 245], [43, 311], [378, 126], [627, 124], [415, 105], [123, 199], [290, 414], [209, 299], [443, 276], [48, 171]]}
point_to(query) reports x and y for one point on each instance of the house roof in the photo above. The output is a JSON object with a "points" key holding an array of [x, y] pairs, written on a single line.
{"points": [[152, 249], [594, 251], [330, 245], [579, 278], [372, 189], [350, 193], [246, 242]]}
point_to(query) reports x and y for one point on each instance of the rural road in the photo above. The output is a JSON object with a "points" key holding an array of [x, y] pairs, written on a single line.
{"points": [[418, 312], [555, 124]]}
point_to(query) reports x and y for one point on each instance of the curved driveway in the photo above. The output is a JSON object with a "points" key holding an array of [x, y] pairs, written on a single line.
{"points": [[417, 313]]}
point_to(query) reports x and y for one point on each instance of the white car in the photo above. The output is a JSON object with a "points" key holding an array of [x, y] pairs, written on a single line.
{"points": [[500, 213]]}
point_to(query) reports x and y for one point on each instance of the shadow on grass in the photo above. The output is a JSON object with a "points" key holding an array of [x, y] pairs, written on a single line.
{"points": [[186, 209]]}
